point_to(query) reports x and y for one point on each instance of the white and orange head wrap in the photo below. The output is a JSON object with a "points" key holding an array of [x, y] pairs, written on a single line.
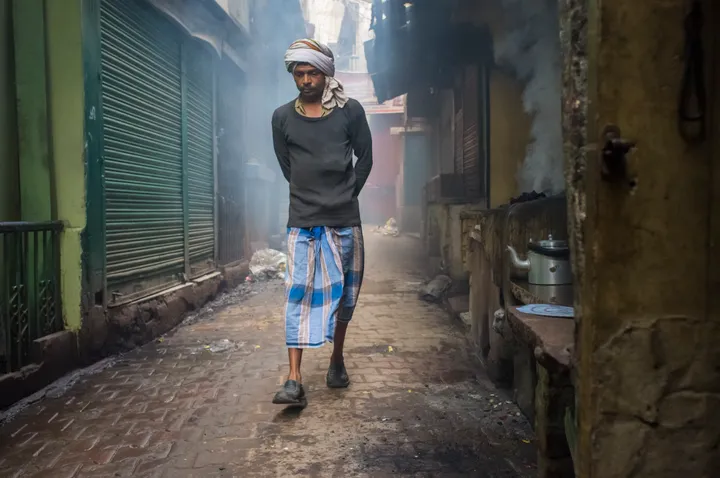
{"points": [[321, 57]]}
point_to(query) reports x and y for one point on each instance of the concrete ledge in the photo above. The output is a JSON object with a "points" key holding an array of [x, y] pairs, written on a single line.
{"points": [[113, 331], [235, 275], [55, 355], [552, 339], [136, 324]]}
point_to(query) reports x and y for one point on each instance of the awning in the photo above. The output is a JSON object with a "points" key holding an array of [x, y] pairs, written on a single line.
{"points": [[422, 52], [217, 29], [360, 87]]}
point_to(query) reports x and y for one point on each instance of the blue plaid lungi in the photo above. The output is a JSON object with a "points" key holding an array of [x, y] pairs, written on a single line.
{"points": [[324, 274]]}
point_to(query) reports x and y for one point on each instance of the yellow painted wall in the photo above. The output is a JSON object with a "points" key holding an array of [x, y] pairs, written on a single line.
{"points": [[509, 124], [509, 136], [9, 187], [66, 96]]}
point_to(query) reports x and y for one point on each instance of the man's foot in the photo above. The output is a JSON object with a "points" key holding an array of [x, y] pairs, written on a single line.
{"points": [[337, 376], [292, 393]]}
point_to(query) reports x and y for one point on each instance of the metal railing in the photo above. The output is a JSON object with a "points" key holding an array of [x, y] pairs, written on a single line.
{"points": [[30, 305], [231, 231], [231, 211]]}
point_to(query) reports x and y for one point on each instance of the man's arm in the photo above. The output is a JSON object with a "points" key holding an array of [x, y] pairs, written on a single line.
{"points": [[361, 140], [281, 149]]}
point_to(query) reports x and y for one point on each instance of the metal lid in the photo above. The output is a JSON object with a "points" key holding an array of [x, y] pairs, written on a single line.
{"points": [[551, 243]]}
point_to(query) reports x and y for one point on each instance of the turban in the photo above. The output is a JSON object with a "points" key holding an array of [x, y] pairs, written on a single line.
{"points": [[321, 57]]}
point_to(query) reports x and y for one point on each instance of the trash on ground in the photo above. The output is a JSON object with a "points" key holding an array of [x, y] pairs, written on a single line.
{"points": [[389, 229], [435, 290], [218, 346], [268, 264]]}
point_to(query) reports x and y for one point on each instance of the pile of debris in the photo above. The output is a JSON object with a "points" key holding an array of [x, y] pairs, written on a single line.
{"points": [[267, 264], [436, 289], [389, 229], [525, 197]]}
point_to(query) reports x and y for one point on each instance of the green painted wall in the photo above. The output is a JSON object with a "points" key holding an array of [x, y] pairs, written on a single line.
{"points": [[36, 190], [66, 101], [9, 192]]}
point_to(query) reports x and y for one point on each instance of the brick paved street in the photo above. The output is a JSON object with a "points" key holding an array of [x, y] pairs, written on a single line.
{"points": [[193, 404]]}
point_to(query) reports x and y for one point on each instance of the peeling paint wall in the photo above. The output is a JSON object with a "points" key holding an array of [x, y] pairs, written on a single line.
{"points": [[452, 222], [644, 247]]}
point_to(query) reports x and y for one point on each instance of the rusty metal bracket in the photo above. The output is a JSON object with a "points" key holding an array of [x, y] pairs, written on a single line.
{"points": [[614, 154]]}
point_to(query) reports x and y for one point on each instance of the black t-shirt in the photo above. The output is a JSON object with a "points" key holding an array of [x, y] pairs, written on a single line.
{"points": [[316, 157]]}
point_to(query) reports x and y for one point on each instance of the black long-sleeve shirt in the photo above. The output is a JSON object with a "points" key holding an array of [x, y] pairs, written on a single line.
{"points": [[316, 157]]}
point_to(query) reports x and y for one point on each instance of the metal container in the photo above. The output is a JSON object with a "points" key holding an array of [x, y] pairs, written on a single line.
{"points": [[547, 263]]}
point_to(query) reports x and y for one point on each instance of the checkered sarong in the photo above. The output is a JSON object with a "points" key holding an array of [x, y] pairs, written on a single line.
{"points": [[324, 275]]}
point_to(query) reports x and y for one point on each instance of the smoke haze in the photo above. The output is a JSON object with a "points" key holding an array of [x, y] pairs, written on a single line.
{"points": [[532, 49]]}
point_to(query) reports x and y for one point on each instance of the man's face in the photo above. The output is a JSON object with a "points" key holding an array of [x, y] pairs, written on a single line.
{"points": [[310, 82]]}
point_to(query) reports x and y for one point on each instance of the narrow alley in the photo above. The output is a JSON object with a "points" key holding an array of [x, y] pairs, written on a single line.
{"points": [[196, 402]]}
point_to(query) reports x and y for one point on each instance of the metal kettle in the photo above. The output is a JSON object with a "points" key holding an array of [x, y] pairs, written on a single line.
{"points": [[547, 263]]}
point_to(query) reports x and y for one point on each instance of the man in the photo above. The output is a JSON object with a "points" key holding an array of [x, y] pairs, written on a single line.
{"points": [[315, 137]]}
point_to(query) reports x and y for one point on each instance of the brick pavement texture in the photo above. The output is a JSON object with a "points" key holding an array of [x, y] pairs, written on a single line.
{"points": [[196, 403]]}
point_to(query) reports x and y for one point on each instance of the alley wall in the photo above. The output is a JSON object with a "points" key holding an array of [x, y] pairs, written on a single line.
{"points": [[509, 122], [509, 136], [9, 190], [66, 105], [644, 245]]}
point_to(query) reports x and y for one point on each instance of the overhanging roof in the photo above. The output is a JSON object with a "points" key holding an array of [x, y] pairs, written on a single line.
{"points": [[360, 87], [208, 22], [424, 51]]}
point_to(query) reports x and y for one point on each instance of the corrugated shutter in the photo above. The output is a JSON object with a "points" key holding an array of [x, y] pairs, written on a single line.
{"points": [[459, 142], [158, 151], [201, 171], [471, 161], [141, 101], [471, 144]]}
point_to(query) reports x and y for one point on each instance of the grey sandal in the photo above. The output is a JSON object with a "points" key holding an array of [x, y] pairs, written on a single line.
{"points": [[292, 393], [337, 376]]}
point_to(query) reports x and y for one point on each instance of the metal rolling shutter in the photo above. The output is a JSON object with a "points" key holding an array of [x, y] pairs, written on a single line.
{"points": [[142, 111], [459, 142], [471, 143], [471, 161], [200, 165]]}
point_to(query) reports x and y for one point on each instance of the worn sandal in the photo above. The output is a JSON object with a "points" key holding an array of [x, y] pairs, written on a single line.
{"points": [[292, 393], [337, 376]]}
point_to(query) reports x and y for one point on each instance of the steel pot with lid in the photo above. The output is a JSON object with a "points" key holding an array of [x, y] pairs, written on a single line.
{"points": [[547, 263]]}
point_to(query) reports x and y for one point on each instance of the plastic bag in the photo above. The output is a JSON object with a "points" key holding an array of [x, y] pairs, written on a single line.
{"points": [[435, 290], [268, 264]]}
